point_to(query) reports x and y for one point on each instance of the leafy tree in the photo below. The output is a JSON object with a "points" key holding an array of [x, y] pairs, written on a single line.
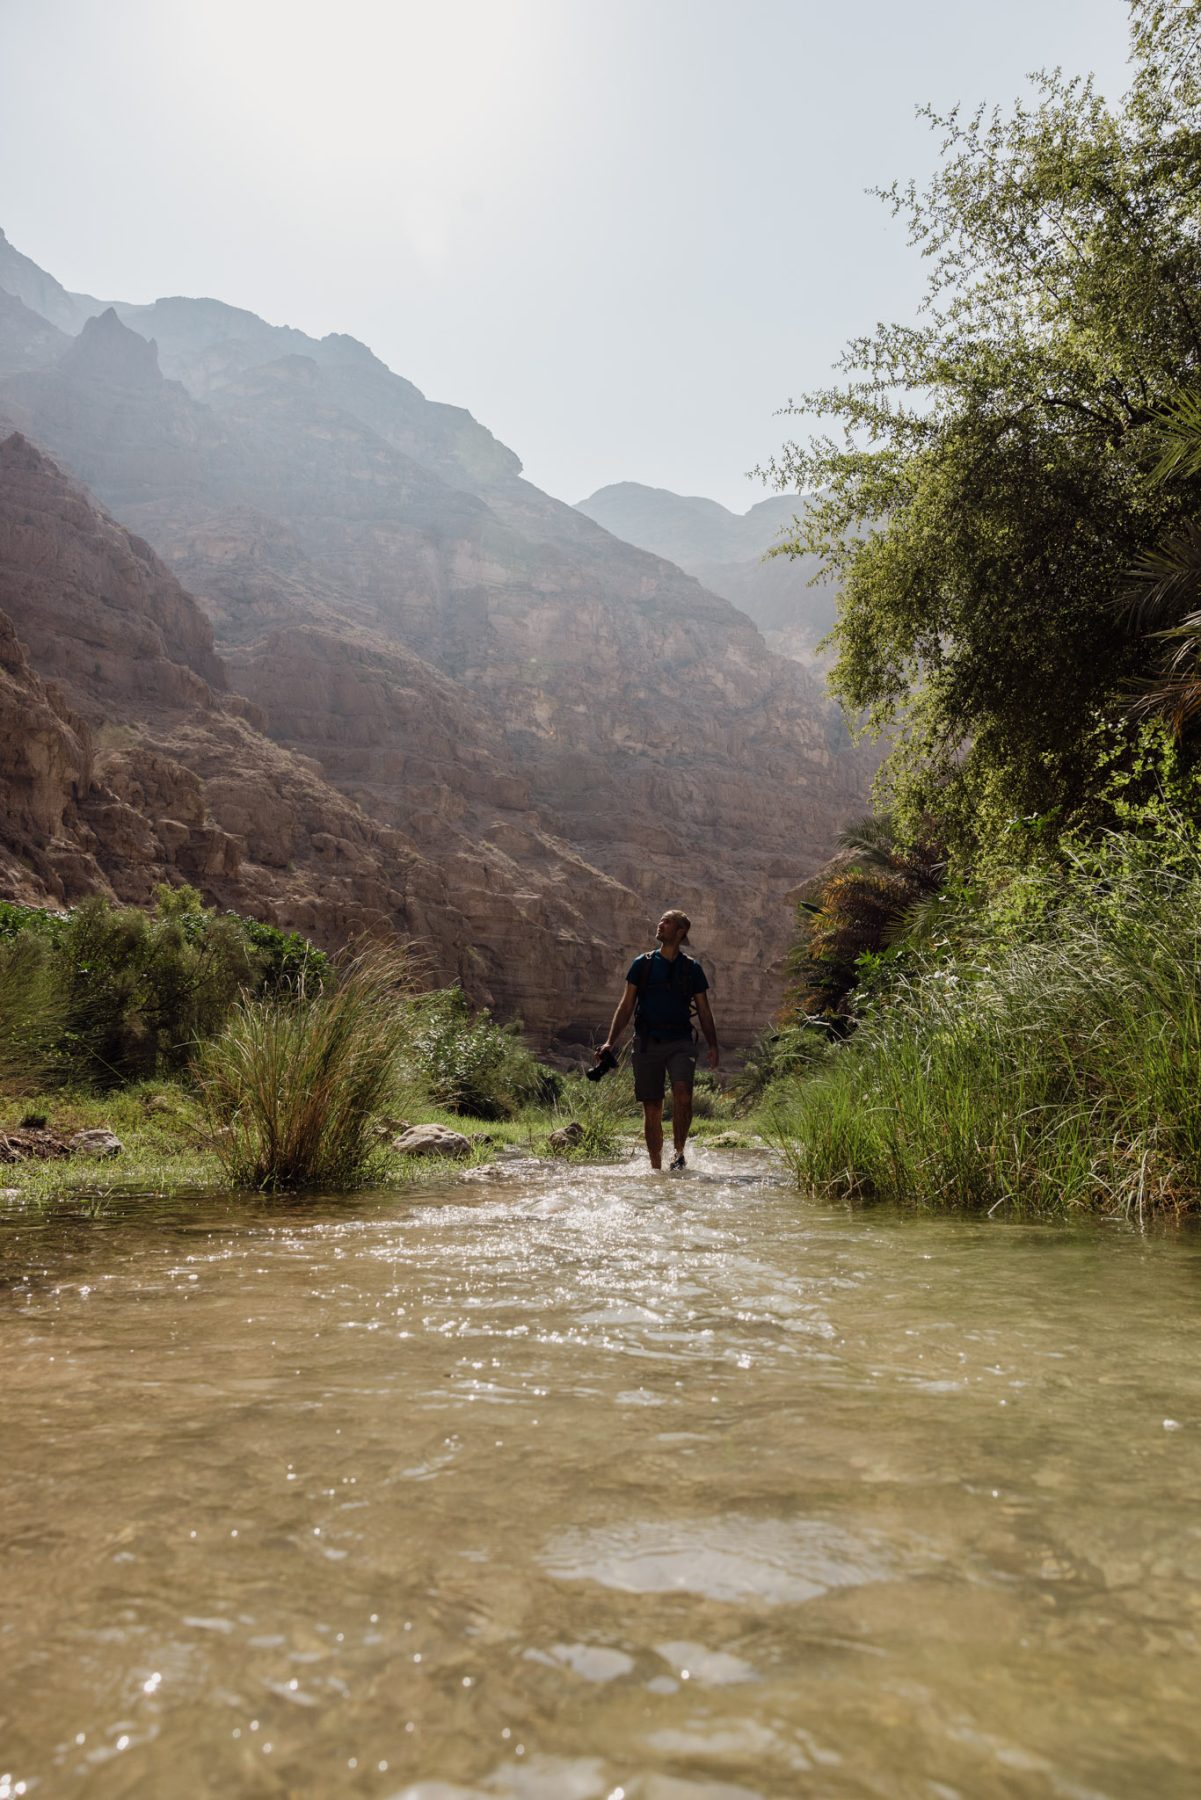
{"points": [[106, 993], [144, 988], [994, 476]]}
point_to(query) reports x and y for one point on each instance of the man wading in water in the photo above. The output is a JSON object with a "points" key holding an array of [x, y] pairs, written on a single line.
{"points": [[660, 989]]}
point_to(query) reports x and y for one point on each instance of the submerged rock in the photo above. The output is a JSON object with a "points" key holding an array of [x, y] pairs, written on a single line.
{"points": [[432, 1140]]}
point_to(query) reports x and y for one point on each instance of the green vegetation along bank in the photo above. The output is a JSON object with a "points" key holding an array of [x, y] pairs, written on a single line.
{"points": [[995, 986], [217, 1052]]}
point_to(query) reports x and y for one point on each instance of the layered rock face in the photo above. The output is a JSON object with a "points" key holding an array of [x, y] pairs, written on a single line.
{"points": [[726, 551], [573, 732], [126, 760]]}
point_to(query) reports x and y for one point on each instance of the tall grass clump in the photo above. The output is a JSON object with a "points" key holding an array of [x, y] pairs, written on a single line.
{"points": [[33, 1005], [1054, 1071], [291, 1085], [607, 1110]]}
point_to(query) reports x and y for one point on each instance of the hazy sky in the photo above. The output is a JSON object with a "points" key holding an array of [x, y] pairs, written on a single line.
{"points": [[623, 232]]}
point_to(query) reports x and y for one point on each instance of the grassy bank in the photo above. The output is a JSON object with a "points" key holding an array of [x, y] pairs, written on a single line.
{"points": [[168, 1149], [226, 1055], [167, 1144], [1045, 1068]]}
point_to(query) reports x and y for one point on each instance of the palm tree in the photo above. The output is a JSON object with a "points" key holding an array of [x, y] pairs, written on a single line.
{"points": [[1163, 598], [877, 892]]}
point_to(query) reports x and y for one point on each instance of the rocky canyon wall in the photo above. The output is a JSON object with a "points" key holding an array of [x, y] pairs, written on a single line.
{"points": [[541, 734]]}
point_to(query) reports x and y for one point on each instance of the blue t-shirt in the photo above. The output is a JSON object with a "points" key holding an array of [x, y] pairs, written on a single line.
{"points": [[665, 1000]]}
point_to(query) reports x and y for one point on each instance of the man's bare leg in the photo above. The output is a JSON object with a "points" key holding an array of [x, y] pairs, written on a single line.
{"points": [[681, 1115], [652, 1125]]}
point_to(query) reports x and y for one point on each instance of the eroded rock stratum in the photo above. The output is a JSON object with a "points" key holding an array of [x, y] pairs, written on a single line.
{"points": [[312, 643]]}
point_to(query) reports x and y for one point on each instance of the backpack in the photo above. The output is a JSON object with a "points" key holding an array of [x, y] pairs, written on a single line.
{"points": [[682, 988]]}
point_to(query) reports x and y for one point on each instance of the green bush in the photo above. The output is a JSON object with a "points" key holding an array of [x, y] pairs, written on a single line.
{"points": [[461, 1060], [108, 994], [144, 989], [1056, 1068], [16, 920], [790, 1051], [283, 960], [292, 1084], [709, 1099]]}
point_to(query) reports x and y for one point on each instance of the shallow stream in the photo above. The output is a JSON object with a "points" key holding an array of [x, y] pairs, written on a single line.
{"points": [[584, 1484]]}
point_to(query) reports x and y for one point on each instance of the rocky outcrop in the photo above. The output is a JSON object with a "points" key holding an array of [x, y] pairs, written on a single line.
{"points": [[95, 605], [45, 764], [40, 292], [136, 764], [562, 731], [27, 341], [786, 597]]}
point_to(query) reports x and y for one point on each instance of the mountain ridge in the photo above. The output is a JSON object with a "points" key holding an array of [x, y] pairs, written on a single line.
{"points": [[789, 598], [332, 522]]}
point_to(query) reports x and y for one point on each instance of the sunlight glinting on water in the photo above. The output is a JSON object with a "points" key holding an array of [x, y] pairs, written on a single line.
{"points": [[575, 1482]]}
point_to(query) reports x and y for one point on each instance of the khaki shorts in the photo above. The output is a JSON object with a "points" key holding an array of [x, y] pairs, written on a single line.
{"points": [[655, 1061]]}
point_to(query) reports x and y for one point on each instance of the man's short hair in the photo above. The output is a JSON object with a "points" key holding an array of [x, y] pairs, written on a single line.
{"points": [[679, 918]]}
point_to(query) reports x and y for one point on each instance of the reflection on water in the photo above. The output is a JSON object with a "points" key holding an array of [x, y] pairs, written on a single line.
{"points": [[583, 1484]]}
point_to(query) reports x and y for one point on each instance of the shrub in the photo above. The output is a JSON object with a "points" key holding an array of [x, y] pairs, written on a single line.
{"points": [[791, 1050], [468, 1064], [109, 994], [709, 1099], [291, 1085], [283, 960], [143, 989]]}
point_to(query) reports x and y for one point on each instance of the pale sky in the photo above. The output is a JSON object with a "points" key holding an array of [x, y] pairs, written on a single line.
{"points": [[622, 232]]}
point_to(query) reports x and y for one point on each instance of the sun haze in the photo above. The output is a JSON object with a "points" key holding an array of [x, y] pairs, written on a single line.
{"points": [[622, 234]]}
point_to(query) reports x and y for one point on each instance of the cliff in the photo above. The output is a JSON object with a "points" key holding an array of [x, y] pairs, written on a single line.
{"points": [[727, 551], [575, 732], [126, 760]]}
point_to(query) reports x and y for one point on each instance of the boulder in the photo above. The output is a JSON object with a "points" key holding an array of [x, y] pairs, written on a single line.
{"points": [[567, 1137], [432, 1140], [97, 1142]]}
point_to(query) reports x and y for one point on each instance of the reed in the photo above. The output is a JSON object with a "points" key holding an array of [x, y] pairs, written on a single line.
{"points": [[1054, 1073], [32, 1014], [292, 1085]]}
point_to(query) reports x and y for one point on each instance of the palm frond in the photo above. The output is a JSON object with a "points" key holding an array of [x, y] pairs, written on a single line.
{"points": [[872, 838], [1173, 692], [1180, 430], [1166, 582]]}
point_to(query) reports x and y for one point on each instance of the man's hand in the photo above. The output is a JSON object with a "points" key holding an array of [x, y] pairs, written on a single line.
{"points": [[714, 1056], [606, 1048]]}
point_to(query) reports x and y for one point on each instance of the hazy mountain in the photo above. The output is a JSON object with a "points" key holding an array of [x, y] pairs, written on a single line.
{"points": [[465, 659], [726, 550], [21, 277], [127, 758]]}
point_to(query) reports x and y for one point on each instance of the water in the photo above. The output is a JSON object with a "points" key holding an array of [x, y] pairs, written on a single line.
{"points": [[579, 1484]]}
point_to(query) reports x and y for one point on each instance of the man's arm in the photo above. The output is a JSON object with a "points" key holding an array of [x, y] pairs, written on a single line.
{"points": [[704, 1013], [621, 1018]]}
